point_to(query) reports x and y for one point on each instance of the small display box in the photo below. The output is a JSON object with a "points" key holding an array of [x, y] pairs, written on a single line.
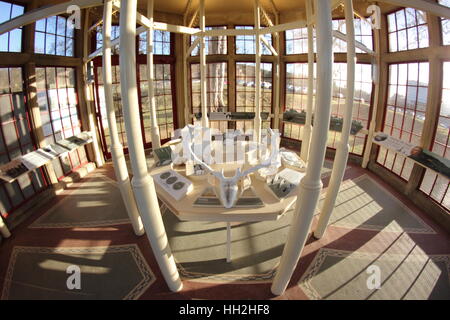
{"points": [[232, 116], [174, 184], [284, 183]]}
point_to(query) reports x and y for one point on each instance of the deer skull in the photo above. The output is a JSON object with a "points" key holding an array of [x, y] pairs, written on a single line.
{"points": [[228, 189]]}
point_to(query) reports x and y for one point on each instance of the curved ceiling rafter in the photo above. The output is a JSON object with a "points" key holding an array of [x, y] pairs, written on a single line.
{"points": [[189, 9], [45, 12]]}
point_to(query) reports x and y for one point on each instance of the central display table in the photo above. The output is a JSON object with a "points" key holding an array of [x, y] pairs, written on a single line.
{"points": [[185, 210]]}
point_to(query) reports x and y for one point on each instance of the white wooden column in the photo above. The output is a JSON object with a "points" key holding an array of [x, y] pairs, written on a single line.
{"points": [[4, 229], [228, 241], [277, 83], [120, 166], [186, 110], [154, 128], [142, 182], [376, 65], [203, 93], [257, 120], [309, 106], [311, 185], [341, 157], [87, 93]]}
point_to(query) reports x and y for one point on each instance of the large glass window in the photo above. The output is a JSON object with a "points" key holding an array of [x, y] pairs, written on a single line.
{"points": [[213, 45], [361, 102], [407, 30], [54, 36], [15, 140], [164, 64], [115, 31], [405, 112], [297, 85], [297, 41], [246, 88], [58, 104], [363, 34], [161, 43], [163, 100], [445, 23], [10, 41], [216, 90], [297, 95], [247, 44], [101, 107], [433, 184], [164, 104]]}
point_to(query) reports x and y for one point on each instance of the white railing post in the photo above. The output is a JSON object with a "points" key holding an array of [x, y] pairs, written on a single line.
{"points": [[203, 93], [309, 106], [341, 157], [376, 63], [154, 128], [257, 120], [311, 185], [120, 166], [142, 182]]}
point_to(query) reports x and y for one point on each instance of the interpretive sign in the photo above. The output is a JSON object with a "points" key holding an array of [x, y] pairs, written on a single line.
{"points": [[248, 199], [419, 155], [12, 170], [35, 159]]}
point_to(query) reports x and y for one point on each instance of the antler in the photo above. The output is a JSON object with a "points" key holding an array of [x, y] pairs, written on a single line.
{"points": [[266, 163], [208, 168]]}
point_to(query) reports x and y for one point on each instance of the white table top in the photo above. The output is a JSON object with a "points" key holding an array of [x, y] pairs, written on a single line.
{"points": [[186, 211]]}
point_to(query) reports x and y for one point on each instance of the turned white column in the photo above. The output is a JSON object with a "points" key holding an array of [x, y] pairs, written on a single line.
{"points": [[98, 157], [376, 65], [203, 93], [142, 182], [311, 185], [154, 128], [4, 231], [341, 157], [372, 125], [120, 166], [309, 106], [187, 118], [87, 92], [257, 120]]}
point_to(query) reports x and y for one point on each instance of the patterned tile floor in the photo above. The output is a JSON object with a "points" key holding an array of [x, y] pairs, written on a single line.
{"points": [[113, 272], [411, 251]]}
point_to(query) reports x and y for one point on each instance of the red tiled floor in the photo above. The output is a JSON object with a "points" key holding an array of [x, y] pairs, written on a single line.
{"points": [[336, 238]]}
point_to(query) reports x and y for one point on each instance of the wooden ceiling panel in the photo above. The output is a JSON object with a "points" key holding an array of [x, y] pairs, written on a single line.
{"points": [[288, 7]]}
